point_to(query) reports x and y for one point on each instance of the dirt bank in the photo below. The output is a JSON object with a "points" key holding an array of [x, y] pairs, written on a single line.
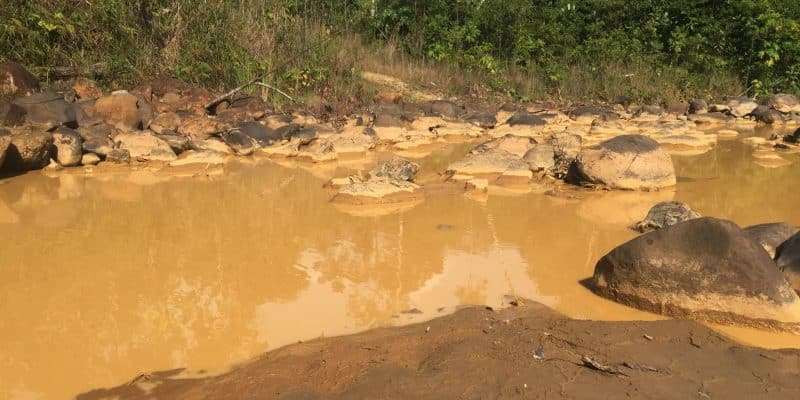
{"points": [[528, 351]]}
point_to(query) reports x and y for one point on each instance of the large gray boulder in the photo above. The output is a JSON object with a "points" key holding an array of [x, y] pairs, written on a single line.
{"points": [[787, 256], [704, 268], [625, 162], [68, 146], [261, 133], [782, 102], [770, 235], [665, 214]]}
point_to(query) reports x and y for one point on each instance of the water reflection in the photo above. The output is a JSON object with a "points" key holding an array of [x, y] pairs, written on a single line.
{"points": [[108, 275]]}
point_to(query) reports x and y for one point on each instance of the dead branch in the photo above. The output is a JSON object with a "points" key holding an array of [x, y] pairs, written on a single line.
{"points": [[277, 90], [232, 92]]}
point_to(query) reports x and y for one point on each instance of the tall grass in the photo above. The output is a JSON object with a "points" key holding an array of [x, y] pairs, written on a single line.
{"points": [[297, 46]]}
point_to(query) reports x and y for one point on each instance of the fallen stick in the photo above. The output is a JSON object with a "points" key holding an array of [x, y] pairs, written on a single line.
{"points": [[232, 92], [592, 364], [277, 90]]}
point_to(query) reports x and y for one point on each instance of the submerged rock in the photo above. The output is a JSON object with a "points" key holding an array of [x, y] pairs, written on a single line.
{"points": [[787, 256], [771, 235], [625, 162], [396, 169], [68, 146], [378, 191], [199, 157], [665, 214], [704, 268]]}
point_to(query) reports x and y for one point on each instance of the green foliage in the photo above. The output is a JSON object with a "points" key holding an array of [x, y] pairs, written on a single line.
{"points": [[588, 48]]}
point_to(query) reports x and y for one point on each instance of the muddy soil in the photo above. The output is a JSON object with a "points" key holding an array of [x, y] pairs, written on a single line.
{"points": [[527, 351]]}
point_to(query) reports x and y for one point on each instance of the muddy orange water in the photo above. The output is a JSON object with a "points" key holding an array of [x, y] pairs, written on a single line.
{"points": [[106, 275]]}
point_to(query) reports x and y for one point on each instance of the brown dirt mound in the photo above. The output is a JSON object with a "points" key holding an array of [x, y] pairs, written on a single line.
{"points": [[521, 352]]}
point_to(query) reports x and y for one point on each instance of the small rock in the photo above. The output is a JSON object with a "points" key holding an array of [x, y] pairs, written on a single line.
{"points": [[90, 159], [664, 214], [119, 156], [396, 169], [69, 146], [241, 143]]}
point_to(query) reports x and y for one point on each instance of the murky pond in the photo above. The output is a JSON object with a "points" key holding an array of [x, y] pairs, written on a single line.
{"points": [[108, 275]]}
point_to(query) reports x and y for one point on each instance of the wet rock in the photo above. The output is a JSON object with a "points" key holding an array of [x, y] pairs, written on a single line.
{"points": [[5, 141], [166, 122], [46, 110], [378, 191], [770, 235], [787, 256], [541, 157], [396, 169], [785, 103], [566, 147], [15, 80], [178, 143], [68, 146], [446, 109], [741, 107], [120, 110], [353, 140], [516, 145], [649, 112], [262, 134], [199, 127], [118, 156], [495, 161], [97, 139], [709, 118], [212, 144], [625, 162], [704, 268], [145, 146], [766, 115], [481, 118], [317, 150], [525, 118], [305, 135], [587, 114], [241, 144], [686, 144], [698, 106], [665, 214], [678, 108], [208, 157], [30, 148], [90, 159], [793, 138]]}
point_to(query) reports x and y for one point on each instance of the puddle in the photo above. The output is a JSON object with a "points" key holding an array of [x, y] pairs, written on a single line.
{"points": [[105, 277]]}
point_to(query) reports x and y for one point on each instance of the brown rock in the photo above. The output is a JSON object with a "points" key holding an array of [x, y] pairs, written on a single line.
{"points": [[30, 148], [119, 110], [199, 127], [15, 80], [86, 89]]}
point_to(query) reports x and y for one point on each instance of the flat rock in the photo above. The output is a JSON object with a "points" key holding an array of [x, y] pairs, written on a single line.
{"points": [[396, 169], [145, 146], [378, 191], [46, 110], [704, 268]]}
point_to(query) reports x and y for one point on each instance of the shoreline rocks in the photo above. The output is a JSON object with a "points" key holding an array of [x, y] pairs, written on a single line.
{"points": [[631, 162]]}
